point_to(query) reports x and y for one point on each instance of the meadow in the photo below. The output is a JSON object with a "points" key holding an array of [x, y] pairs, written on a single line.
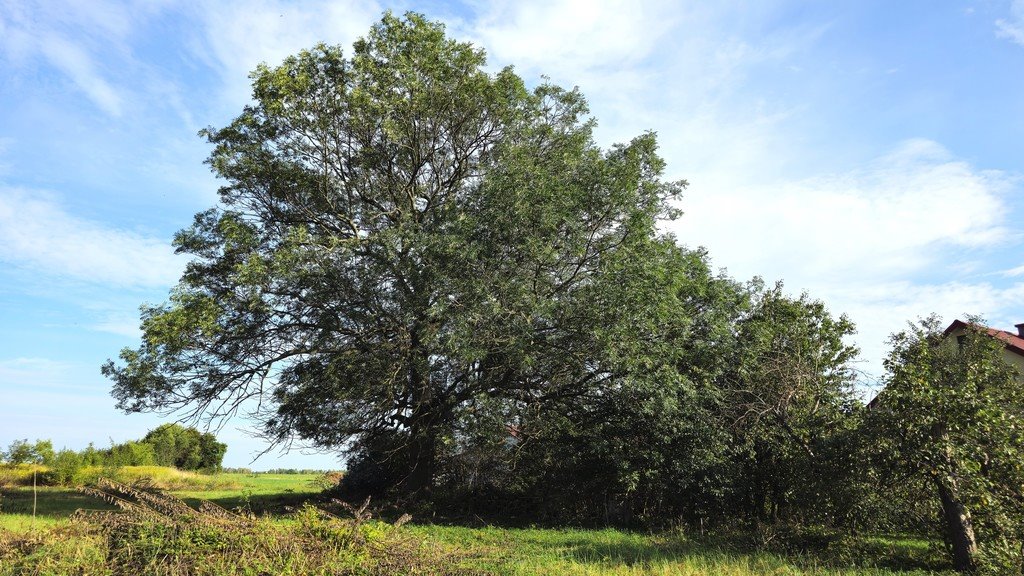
{"points": [[260, 523]]}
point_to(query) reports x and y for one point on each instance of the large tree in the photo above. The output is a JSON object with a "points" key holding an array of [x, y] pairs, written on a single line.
{"points": [[404, 238]]}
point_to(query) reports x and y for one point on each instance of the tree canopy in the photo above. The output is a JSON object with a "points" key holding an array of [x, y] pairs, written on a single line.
{"points": [[185, 448], [404, 241]]}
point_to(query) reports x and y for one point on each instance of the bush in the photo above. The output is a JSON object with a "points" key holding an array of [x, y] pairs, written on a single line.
{"points": [[65, 469], [185, 448], [131, 454], [17, 474]]}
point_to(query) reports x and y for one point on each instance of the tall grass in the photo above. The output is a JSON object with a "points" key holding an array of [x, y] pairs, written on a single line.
{"points": [[156, 533], [18, 474], [160, 476]]}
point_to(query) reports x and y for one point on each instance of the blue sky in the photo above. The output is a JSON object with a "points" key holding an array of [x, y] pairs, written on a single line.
{"points": [[867, 152]]}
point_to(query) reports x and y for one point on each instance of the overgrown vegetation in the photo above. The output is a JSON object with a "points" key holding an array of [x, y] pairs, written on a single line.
{"points": [[161, 477], [156, 533], [437, 270]]}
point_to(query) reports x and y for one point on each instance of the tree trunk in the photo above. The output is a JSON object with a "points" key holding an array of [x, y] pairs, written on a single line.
{"points": [[422, 463], [958, 525], [423, 430]]}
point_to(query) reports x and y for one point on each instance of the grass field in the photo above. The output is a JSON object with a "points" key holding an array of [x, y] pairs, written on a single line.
{"points": [[616, 552], [260, 493], [50, 543]]}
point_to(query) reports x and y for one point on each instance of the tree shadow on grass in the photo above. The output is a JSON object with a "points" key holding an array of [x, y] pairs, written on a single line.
{"points": [[630, 552], [625, 549], [60, 503], [259, 504], [56, 503]]}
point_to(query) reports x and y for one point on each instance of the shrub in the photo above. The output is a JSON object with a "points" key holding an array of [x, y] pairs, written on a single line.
{"points": [[66, 468]]}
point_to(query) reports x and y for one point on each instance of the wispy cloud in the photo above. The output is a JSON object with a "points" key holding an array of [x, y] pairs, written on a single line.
{"points": [[573, 34], [120, 323], [1012, 28], [239, 35], [37, 233], [887, 221], [76, 63], [28, 372], [880, 243], [67, 35]]}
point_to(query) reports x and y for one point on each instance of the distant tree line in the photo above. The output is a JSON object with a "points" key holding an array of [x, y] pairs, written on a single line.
{"points": [[167, 445]]}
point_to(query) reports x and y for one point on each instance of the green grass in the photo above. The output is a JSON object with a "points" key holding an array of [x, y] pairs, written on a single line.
{"points": [[53, 539], [260, 493], [615, 552], [21, 523], [52, 503]]}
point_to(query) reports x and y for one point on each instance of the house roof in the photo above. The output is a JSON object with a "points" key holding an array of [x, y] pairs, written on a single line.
{"points": [[1013, 342]]}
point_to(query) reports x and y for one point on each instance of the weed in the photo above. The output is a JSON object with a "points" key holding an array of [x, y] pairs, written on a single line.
{"points": [[154, 532]]}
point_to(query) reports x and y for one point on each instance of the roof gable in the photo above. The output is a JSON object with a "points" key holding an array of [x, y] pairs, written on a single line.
{"points": [[1013, 342]]}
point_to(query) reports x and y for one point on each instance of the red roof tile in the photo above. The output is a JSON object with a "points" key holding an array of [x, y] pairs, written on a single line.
{"points": [[1014, 343]]}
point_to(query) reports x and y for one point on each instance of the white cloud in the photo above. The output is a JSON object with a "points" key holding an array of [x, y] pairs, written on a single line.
{"points": [[1012, 28], [38, 234], [885, 308], [887, 221], [240, 35], [882, 243], [72, 37], [574, 35]]}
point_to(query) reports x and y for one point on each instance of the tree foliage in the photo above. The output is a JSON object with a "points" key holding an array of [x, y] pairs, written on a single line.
{"points": [[185, 448], [404, 238], [751, 418], [791, 410], [24, 452]]}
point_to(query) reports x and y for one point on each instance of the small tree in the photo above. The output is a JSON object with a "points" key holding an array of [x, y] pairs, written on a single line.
{"points": [[19, 452], [951, 413], [23, 452], [130, 453], [66, 467], [185, 448]]}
